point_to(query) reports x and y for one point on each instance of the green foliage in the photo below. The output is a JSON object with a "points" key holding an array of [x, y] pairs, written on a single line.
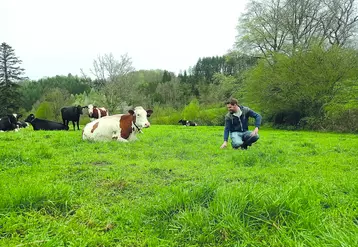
{"points": [[45, 111], [33, 91], [212, 116], [176, 187], [222, 88], [166, 76], [58, 98], [341, 113], [305, 82], [191, 111], [165, 115]]}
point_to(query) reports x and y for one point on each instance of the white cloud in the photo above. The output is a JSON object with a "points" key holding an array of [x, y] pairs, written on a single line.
{"points": [[60, 37]]}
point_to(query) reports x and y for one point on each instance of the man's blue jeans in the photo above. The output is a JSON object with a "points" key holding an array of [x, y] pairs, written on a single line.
{"points": [[240, 138]]}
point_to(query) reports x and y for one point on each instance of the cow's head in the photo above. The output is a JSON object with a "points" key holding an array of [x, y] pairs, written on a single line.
{"points": [[17, 116], [140, 116], [79, 109], [30, 118], [90, 110]]}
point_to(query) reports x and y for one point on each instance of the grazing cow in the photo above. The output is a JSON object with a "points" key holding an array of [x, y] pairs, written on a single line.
{"points": [[72, 113], [8, 122], [41, 124], [95, 112], [187, 123], [120, 127]]}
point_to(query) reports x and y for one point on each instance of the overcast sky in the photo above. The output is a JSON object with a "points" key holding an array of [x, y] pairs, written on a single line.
{"points": [[61, 37]]}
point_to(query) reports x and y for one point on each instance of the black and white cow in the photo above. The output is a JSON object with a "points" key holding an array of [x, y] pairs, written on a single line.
{"points": [[22, 124], [41, 124], [8, 122], [72, 113], [187, 122]]}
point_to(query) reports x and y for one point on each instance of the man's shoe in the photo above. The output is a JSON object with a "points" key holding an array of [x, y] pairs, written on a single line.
{"points": [[243, 146]]}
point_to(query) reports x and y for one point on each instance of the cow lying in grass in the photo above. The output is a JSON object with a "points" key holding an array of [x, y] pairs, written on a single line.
{"points": [[8, 123], [42, 124], [187, 122], [120, 127]]}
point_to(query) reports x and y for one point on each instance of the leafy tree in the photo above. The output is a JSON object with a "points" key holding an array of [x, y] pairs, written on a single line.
{"points": [[304, 83], [192, 110], [10, 75], [57, 98], [166, 76], [222, 88]]}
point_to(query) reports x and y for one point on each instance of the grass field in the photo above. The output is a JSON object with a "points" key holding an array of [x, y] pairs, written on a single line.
{"points": [[176, 187]]}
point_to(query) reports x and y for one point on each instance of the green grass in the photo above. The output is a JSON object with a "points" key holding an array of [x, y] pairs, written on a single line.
{"points": [[176, 187]]}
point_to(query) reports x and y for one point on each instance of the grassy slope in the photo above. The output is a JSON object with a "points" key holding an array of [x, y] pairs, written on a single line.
{"points": [[175, 187]]}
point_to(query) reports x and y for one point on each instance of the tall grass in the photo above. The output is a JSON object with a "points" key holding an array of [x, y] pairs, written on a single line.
{"points": [[175, 187]]}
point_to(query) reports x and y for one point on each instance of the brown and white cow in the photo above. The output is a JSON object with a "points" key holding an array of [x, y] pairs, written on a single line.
{"points": [[95, 112], [120, 127]]}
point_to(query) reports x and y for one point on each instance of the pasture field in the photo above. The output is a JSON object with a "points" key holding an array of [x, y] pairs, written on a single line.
{"points": [[176, 187]]}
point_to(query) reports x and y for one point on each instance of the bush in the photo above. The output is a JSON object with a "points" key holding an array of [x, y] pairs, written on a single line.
{"points": [[343, 120], [191, 111], [44, 111], [211, 117], [165, 115]]}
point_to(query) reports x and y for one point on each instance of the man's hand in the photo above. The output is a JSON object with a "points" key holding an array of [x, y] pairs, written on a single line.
{"points": [[224, 145], [255, 132]]}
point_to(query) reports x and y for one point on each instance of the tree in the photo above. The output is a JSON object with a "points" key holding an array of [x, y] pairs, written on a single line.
{"points": [[107, 69], [166, 76], [114, 80], [10, 75], [57, 98], [341, 21], [289, 25], [305, 83]]}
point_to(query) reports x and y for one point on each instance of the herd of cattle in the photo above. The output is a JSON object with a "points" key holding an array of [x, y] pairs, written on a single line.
{"points": [[120, 127]]}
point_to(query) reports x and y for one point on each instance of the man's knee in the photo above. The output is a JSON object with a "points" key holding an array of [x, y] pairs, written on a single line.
{"points": [[252, 139], [236, 142]]}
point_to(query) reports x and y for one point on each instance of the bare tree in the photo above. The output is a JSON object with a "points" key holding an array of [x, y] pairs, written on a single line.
{"points": [[113, 79], [341, 21], [302, 20], [107, 68], [260, 28], [285, 25]]}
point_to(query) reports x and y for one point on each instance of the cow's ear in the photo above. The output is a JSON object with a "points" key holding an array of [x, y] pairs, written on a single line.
{"points": [[149, 112], [85, 107], [131, 112]]}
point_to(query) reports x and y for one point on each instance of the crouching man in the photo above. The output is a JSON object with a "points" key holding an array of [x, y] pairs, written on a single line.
{"points": [[236, 125]]}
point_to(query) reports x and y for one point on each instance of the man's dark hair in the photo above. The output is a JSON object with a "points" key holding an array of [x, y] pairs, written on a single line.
{"points": [[232, 101]]}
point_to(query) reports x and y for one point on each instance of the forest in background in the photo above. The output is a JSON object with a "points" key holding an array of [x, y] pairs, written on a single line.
{"points": [[294, 62]]}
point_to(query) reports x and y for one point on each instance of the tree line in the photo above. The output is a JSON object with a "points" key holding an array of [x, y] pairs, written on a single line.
{"points": [[294, 61]]}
